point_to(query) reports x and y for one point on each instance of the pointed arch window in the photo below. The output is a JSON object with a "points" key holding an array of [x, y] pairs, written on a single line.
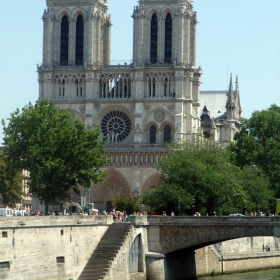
{"points": [[168, 39], [79, 40], [154, 39], [62, 88], [153, 134], [152, 87], [167, 134], [64, 40]]}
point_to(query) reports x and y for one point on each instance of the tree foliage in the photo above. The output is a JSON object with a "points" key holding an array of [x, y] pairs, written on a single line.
{"points": [[124, 203], [202, 173], [10, 183], [258, 144], [166, 198], [56, 151]]}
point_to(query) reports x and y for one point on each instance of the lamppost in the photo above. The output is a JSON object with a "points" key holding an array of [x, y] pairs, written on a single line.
{"points": [[143, 207], [193, 206], [179, 204]]}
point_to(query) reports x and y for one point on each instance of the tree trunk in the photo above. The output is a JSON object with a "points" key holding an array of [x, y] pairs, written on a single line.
{"points": [[46, 208]]}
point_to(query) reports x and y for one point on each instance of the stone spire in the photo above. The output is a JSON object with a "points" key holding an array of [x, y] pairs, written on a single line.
{"points": [[237, 97], [230, 105], [230, 99]]}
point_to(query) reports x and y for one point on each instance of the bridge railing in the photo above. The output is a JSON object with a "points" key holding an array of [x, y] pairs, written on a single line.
{"points": [[206, 220], [54, 221]]}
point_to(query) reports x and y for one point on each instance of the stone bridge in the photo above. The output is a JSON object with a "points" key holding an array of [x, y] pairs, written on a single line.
{"points": [[156, 248], [172, 241]]}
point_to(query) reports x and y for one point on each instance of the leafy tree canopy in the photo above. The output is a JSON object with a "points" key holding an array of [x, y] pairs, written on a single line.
{"points": [[124, 203], [43, 140], [10, 183], [258, 144], [201, 173]]}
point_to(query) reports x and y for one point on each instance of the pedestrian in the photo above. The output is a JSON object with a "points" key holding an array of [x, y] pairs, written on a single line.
{"points": [[172, 214], [263, 247]]}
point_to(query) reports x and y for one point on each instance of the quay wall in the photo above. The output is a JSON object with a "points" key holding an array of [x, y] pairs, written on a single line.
{"points": [[238, 255], [49, 247]]}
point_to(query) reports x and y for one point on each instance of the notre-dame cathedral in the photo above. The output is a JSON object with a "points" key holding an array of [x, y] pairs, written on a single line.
{"points": [[138, 105]]}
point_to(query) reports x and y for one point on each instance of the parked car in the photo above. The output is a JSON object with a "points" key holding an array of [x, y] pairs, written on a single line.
{"points": [[236, 215]]}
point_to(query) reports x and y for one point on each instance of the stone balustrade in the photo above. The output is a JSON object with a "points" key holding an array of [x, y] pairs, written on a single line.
{"points": [[136, 157]]}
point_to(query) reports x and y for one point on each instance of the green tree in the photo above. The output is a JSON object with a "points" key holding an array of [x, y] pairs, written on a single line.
{"points": [[258, 144], [57, 152], [130, 205], [10, 183], [200, 172], [166, 198], [256, 186]]}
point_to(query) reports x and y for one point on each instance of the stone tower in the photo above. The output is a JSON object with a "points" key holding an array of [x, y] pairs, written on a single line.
{"points": [[139, 105]]}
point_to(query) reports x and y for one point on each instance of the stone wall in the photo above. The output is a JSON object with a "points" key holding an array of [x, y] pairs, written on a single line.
{"points": [[248, 244], [50, 247], [207, 261], [242, 254]]}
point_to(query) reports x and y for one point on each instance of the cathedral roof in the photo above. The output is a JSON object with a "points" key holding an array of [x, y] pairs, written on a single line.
{"points": [[215, 101]]}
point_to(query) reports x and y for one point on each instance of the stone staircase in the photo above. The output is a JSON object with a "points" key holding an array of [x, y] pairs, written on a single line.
{"points": [[105, 252]]}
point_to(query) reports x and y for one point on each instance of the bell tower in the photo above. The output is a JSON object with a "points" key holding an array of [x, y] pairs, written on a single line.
{"points": [[164, 44], [164, 32], [76, 32]]}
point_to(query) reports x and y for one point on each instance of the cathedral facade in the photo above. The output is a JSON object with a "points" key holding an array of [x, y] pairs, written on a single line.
{"points": [[140, 105]]}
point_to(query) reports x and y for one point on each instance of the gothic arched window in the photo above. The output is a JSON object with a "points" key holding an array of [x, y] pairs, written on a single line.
{"points": [[79, 40], [168, 39], [64, 41], [154, 39], [153, 134], [152, 87], [167, 134]]}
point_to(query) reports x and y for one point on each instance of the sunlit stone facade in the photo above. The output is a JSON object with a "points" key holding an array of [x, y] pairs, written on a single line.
{"points": [[141, 104]]}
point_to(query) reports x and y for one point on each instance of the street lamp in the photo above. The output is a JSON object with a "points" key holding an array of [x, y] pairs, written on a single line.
{"points": [[193, 206], [179, 204]]}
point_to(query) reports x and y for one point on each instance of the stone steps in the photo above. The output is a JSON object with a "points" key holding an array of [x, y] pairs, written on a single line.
{"points": [[105, 252]]}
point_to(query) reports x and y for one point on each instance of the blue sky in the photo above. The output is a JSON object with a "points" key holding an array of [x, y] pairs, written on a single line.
{"points": [[238, 36]]}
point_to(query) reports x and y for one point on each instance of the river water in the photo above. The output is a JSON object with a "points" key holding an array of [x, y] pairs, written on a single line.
{"points": [[270, 274]]}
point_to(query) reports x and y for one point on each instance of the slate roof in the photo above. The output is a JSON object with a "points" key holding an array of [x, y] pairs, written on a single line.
{"points": [[215, 101]]}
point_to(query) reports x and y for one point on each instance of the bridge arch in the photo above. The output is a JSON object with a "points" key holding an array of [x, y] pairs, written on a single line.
{"points": [[175, 240], [174, 234]]}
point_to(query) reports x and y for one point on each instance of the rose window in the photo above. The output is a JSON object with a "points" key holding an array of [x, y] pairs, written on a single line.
{"points": [[116, 125]]}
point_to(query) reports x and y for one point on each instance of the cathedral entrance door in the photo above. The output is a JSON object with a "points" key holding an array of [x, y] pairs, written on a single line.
{"points": [[109, 206]]}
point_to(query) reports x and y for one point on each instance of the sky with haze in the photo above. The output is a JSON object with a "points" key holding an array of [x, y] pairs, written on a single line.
{"points": [[241, 37]]}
